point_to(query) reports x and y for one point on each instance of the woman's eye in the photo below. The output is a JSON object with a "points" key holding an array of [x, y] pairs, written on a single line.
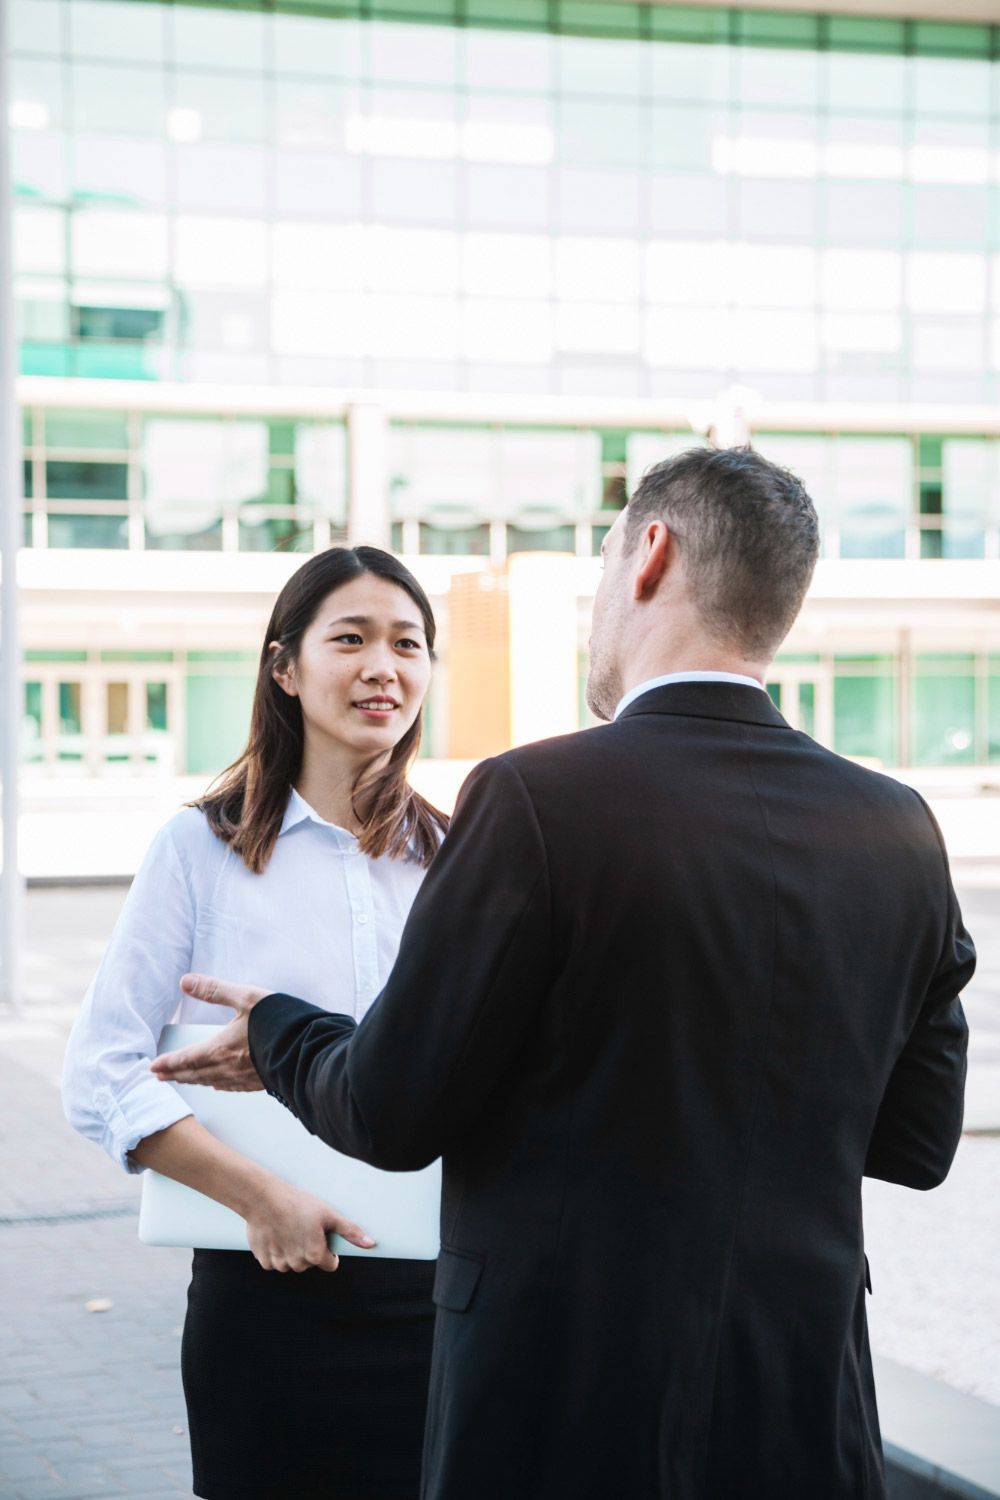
{"points": [[351, 639], [409, 645]]}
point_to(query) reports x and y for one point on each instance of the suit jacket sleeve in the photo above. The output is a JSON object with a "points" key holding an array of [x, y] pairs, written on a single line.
{"points": [[472, 969], [919, 1122]]}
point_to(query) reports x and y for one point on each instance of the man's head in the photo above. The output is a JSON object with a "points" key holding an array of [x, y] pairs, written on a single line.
{"points": [[706, 567]]}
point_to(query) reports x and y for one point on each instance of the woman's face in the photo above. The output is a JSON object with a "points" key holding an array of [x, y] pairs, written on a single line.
{"points": [[363, 667]]}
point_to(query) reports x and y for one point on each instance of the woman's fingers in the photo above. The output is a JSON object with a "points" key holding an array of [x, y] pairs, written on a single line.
{"points": [[353, 1233]]}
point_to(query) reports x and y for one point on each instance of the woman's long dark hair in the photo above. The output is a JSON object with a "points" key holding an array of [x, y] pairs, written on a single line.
{"points": [[246, 804]]}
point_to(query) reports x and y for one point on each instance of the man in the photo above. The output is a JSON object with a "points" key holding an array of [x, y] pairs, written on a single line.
{"points": [[671, 987]]}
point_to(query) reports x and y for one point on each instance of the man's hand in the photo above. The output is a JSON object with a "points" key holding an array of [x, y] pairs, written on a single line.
{"points": [[224, 1061]]}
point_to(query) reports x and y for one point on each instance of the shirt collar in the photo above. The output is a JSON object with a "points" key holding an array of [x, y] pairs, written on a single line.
{"points": [[298, 811], [669, 677]]}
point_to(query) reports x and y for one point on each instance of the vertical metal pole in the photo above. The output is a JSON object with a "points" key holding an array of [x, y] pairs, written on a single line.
{"points": [[11, 505]]}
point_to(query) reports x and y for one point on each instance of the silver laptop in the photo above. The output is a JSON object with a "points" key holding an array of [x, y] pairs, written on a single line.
{"points": [[400, 1209]]}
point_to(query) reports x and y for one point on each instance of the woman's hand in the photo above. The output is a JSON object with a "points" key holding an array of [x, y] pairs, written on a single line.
{"points": [[287, 1230]]}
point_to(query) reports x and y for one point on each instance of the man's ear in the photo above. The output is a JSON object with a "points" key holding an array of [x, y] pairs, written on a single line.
{"points": [[284, 675], [655, 549]]}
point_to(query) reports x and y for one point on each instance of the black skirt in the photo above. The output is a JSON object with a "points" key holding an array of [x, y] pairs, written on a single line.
{"points": [[301, 1385]]}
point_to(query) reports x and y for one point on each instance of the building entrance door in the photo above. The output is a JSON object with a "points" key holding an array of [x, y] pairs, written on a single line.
{"points": [[804, 695]]}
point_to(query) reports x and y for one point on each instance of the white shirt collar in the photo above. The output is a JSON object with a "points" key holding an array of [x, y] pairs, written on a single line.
{"points": [[655, 682], [298, 811]]}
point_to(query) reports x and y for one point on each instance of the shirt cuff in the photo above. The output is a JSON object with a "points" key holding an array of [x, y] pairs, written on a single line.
{"points": [[131, 1120]]}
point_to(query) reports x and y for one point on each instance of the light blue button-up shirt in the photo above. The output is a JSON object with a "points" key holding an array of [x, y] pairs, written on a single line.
{"points": [[323, 921]]}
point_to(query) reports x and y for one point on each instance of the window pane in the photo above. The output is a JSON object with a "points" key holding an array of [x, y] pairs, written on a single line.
{"points": [[873, 489], [275, 535], [193, 469], [552, 539], [88, 531], [206, 539], [31, 723], [86, 429], [70, 739], [944, 711], [156, 705], [463, 541], [115, 166], [864, 714], [108, 244], [67, 479], [126, 99]]}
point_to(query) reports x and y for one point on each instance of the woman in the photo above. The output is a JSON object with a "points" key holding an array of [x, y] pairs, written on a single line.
{"points": [[299, 869]]}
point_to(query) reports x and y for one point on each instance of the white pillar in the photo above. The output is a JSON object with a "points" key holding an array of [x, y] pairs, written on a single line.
{"points": [[11, 502], [368, 477], [543, 645]]}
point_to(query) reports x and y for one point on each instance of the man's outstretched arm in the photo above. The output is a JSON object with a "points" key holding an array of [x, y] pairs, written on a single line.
{"points": [[473, 967]]}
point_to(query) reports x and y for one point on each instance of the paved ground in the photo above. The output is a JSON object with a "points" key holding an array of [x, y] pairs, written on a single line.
{"points": [[90, 1401]]}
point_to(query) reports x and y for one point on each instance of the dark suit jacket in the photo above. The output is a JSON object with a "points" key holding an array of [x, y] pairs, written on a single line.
{"points": [[670, 988]]}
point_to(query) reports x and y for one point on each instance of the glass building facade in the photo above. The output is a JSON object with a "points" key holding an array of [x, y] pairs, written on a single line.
{"points": [[558, 196], [538, 237]]}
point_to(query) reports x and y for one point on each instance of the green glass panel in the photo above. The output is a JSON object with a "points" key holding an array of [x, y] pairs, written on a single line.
{"points": [[598, 18], [26, 427], [774, 693], [769, 28], [55, 656], [86, 429], [597, 535], [316, 8], [218, 719], [28, 530], [28, 479], [414, 10], [521, 15], [106, 532], [276, 535], [31, 723], [807, 707], [281, 438], [993, 712], [800, 656], [396, 536], [614, 447], [70, 744], [553, 539], [951, 38], [463, 541], [156, 705], [45, 359], [864, 715], [689, 23], [82, 479], [865, 34], [943, 727], [137, 656], [113, 362], [209, 539], [221, 657]]}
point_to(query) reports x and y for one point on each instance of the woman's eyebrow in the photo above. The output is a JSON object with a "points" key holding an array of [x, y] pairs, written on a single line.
{"points": [[366, 620]]}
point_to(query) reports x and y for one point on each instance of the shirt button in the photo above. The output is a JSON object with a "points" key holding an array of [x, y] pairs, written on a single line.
{"points": [[362, 919]]}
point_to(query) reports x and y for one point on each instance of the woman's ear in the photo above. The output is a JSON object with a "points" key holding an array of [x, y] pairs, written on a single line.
{"points": [[283, 671]]}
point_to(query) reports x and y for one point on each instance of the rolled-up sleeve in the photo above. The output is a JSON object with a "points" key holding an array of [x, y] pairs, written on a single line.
{"points": [[109, 1093]]}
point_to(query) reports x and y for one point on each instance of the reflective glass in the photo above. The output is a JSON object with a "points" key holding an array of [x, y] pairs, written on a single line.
{"points": [[506, 264], [461, 541], [946, 283], [512, 330], [421, 191], [116, 167], [591, 200], [85, 429], [322, 47], [856, 81], [319, 322], [951, 151], [949, 216], [599, 132], [79, 479], [943, 726], [212, 37], [109, 532], [503, 195], [311, 114], [861, 279], [227, 108], [687, 137], [38, 163], [39, 240], [36, 25], [874, 489], [687, 204], [36, 93], [108, 29], [321, 469], [585, 327], [948, 344], [864, 213], [410, 260], [951, 86], [108, 243], [320, 184], [592, 66], [864, 712], [764, 74], [690, 71], [274, 534], [412, 54], [122, 98], [221, 177], [505, 59], [192, 469], [599, 268], [778, 209], [220, 252], [544, 539]]}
